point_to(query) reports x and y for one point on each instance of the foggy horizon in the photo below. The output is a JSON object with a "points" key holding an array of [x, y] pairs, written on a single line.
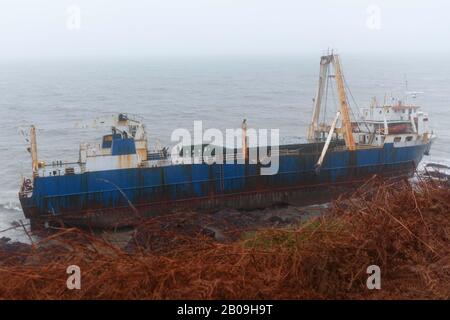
{"points": [[97, 29]]}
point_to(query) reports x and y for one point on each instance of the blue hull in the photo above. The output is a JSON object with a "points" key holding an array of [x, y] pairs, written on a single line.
{"points": [[104, 197]]}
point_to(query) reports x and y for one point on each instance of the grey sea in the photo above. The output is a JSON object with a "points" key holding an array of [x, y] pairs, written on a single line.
{"points": [[61, 96]]}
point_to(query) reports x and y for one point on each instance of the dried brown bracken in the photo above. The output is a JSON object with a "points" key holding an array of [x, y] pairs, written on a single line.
{"points": [[402, 227]]}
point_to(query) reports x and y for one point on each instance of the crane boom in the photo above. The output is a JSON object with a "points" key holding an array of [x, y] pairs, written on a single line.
{"points": [[346, 122], [313, 128]]}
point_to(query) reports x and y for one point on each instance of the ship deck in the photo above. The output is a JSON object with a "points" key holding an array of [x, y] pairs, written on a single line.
{"points": [[58, 168]]}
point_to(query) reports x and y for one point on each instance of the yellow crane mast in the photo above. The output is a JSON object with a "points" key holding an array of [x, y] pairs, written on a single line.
{"points": [[314, 130], [346, 122]]}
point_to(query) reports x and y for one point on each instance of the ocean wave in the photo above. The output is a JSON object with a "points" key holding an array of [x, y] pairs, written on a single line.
{"points": [[437, 163], [11, 206]]}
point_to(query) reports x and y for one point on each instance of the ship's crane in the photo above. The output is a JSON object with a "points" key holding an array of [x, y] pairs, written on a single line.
{"points": [[315, 130]]}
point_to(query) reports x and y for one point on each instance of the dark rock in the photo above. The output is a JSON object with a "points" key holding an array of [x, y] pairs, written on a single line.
{"points": [[276, 219], [209, 233]]}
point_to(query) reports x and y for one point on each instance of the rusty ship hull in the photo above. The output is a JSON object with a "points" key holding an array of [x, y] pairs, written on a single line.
{"points": [[119, 197]]}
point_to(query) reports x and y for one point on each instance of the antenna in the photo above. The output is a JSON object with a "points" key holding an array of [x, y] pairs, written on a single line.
{"points": [[406, 87], [413, 94]]}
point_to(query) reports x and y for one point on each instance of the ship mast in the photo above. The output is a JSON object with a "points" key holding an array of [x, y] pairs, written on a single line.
{"points": [[244, 140], [33, 150], [346, 122], [314, 130]]}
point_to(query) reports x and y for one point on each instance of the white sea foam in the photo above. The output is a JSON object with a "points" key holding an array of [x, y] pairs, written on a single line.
{"points": [[11, 206]]}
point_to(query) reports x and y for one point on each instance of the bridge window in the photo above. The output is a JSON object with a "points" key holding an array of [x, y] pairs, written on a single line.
{"points": [[397, 139], [409, 138]]}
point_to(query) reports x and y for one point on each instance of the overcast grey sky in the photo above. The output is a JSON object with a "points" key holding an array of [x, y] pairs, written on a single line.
{"points": [[50, 28]]}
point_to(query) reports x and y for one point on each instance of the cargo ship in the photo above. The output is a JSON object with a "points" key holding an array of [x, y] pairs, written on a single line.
{"points": [[120, 180]]}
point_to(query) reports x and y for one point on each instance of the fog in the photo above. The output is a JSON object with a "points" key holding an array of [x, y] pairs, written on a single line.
{"points": [[103, 28]]}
